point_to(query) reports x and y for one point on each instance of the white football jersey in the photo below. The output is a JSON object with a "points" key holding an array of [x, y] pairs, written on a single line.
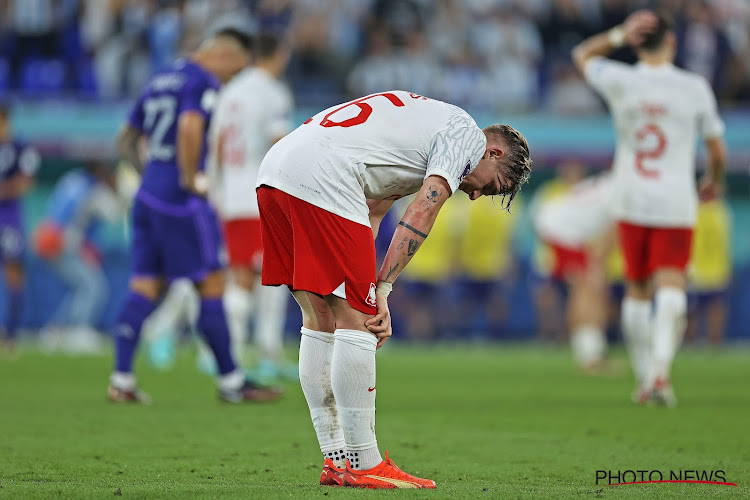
{"points": [[380, 146], [579, 216], [659, 113], [253, 111]]}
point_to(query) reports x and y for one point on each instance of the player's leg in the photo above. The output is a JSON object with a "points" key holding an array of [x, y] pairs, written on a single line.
{"points": [[239, 300], [146, 287], [670, 321], [14, 281], [635, 314], [587, 315], [163, 325], [269, 333], [197, 256], [669, 254], [315, 356], [353, 383]]}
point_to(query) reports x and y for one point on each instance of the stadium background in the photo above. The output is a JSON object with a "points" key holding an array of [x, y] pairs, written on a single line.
{"points": [[70, 70]]}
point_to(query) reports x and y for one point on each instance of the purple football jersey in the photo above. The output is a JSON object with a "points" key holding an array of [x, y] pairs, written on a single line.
{"points": [[185, 86]]}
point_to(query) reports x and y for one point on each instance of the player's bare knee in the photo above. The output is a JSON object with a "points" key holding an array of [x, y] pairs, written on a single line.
{"points": [[639, 290], [212, 286], [672, 278], [316, 314], [150, 288], [245, 277], [346, 316]]}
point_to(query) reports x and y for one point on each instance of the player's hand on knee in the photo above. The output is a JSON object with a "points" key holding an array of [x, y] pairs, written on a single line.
{"points": [[380, 324]]}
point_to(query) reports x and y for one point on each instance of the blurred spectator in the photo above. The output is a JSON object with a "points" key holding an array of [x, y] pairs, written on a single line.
{"points": [[710, 272], [18, 165], [702, 47], [66, 239]]}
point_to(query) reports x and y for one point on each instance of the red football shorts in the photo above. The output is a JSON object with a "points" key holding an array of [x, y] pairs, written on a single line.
{"points": [[308, 248], [243, 241], [647, 249], [569, 261]]}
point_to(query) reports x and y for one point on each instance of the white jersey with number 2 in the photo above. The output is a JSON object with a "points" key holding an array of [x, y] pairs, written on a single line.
{"points": [[380, 146], [659, 114]]}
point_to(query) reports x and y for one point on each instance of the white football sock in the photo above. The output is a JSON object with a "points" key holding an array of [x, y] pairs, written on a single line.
{"points": [[232, 381], [669, 328], [353, 383], [269, 322], [315, 355], [636, 328], [122, 381], [588, 345], [238, 305]]}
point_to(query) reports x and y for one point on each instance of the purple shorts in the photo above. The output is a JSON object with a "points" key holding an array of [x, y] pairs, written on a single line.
{"points": [[12, 238], [175, 241]]}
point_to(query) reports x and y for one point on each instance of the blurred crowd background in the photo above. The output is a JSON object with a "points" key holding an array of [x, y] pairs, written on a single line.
{"points": [[69, 69]]}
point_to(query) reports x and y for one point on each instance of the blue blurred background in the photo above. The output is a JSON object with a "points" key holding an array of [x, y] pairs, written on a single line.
{"points": [[71, 68]]}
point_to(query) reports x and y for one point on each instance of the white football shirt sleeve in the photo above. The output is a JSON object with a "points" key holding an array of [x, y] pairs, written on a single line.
{"points": [[606, 76], [456, 150], [710, 123]]}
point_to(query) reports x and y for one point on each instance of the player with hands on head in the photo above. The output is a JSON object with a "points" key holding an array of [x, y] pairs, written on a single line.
{"points": [[323, 191], [659, 112]]}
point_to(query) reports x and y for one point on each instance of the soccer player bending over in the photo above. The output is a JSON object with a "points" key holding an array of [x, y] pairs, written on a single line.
{"points": [[175, 231], [659, 112], [322, 192]]}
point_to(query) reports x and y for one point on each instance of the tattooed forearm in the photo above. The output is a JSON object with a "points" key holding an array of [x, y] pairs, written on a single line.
{"points": [[413, 245], [391, 271], [412, 229], [402, 244], [434, 194]]}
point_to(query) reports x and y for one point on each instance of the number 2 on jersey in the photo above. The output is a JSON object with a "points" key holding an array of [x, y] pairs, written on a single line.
{"points": [[160, 114], [652, 143]]}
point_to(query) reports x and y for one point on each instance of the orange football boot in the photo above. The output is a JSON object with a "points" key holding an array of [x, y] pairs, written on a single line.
{"points": [[385, 475], [331, 475]]}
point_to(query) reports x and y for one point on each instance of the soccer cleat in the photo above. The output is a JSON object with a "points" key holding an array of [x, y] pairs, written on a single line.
{"points": [[250, 391], [116, 395], [662, 393], [641, 395], [331, 475], [385, 475]]}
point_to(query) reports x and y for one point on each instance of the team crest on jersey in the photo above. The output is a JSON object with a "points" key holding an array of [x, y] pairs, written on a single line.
{"points": [[370, 300], [466, 171]]}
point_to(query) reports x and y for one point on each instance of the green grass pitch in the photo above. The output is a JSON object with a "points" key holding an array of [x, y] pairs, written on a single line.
{"points": [[484, 422]]}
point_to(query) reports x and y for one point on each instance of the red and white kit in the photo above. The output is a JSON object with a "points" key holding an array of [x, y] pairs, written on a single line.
{"points": [[253, 111], [380, 146], [570, 222], [659, 112]]}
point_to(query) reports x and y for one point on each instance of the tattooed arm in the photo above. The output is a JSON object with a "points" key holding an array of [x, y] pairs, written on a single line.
{"points": [[378, 209], [407, 238]]}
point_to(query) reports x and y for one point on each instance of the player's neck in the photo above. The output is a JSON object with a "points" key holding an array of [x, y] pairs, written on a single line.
{"points": [[270, 66], [654, 58]]}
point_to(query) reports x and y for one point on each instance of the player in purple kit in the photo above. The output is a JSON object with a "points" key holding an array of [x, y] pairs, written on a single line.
{"points": [[18, 164], [175, 231]]}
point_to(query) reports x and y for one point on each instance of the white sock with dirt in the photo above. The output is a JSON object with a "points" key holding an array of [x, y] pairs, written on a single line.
{"points": [[669, 328], [353, 383], [315, 355], [238, 305], [636, 328]]}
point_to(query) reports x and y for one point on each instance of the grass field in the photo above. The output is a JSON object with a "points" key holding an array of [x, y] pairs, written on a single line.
{"points": [[490, 422]]}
